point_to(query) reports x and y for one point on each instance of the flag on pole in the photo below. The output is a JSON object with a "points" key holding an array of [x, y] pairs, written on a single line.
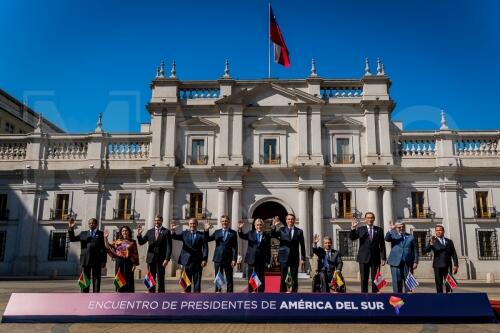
{"points": [[149, 281], [411, 282], [281, 54], [83, 281], [119, 281], [379, 281], [184, 281], [450, 281], [396, 303], [289, 280], [219, 280], [254, 281]]}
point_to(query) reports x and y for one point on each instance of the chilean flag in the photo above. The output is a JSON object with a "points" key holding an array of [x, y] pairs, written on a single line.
{"points": [[281, 54]]}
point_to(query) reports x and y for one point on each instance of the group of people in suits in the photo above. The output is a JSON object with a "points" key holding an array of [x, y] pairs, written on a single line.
{"points": [[403, 258], [193, 257]]}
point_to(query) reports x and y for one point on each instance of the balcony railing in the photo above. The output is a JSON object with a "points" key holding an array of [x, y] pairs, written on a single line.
{"points": [[488, 213], [197, 160], [350, 89], [124, 214], [424, 213], [343, 159], [199, 90], [354, 212], [61, 214], [470, 146], [270, 161], [128, 147]]}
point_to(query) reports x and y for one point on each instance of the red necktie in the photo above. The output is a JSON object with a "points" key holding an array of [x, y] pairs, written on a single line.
{"points": [[157, 233]]}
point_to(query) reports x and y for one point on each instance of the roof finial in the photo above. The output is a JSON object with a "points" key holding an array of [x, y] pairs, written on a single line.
{"points": [[172, 71], [444, 126], [39, 123], [380, 67], [98, 129], [226, 70], [367, 67], [162, 69], [157, 72], [314, 73]]}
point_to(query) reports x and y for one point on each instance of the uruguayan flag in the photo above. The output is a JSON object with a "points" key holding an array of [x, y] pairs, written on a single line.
{"points": [[411, 282]]}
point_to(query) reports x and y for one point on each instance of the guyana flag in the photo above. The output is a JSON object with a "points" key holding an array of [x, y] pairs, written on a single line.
{"points": [[289, 280], [83, 281], [119, 281]]}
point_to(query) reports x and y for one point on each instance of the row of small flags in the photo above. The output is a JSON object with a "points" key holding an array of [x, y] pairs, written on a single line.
{"points": [[411, 282], [254, 281]]}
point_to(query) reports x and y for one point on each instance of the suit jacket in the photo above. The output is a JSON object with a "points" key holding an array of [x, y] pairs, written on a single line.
{"points": [[226, 250], [192, 254], [334, 259], [402, 248], [289, 247], [257, 254], [443, 254], [369, 250], [158, 249], [93, 250]]}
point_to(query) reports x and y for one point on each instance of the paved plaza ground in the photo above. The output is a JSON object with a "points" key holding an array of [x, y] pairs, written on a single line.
{"points": [[70, 285]]}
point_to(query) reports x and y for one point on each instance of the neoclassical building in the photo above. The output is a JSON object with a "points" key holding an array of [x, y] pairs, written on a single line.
{"points": [[323, 149]]}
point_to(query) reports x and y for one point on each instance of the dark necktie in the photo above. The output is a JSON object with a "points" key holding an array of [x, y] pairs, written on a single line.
{"points": [[370, 232], [259, 238], [325, 259], [224, 234], [193, 237]]}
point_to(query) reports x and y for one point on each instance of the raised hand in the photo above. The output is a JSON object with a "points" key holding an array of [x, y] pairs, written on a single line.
{"points": [[106, 233], [173, 226], [139, 229], [354, 223], [433, 240], [71, 223], [316, 239], [207, 225], [392, 226], [276, 221], [240, 224]]}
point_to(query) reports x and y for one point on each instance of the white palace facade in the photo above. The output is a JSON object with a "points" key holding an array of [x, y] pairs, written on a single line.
{"points": [[323, 149]]}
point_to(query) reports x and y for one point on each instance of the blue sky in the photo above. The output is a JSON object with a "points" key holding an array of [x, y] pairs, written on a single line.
{"points": [[74, 59]]}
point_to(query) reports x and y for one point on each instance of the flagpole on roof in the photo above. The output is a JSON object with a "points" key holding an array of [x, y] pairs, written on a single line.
{"points": [[269, 43]]}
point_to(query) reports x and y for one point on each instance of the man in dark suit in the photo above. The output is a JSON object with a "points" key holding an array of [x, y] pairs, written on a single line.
{"points": [[371, 252], [194, 253], [159, 250], [226, 250], [93, 252], [403, 257], [291, 241], [329, 261], [444, 252], [258, 254]]}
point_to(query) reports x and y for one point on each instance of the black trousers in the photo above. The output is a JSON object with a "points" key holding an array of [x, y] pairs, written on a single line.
{"points": [[227, 271], [439, 277], [368, 270], [125, 267], [294, 270], [259, 270], [194, 274], [158, 272], [93, 271]]}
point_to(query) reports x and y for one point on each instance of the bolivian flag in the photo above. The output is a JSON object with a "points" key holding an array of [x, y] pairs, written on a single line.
{"points": [[119, 281]]}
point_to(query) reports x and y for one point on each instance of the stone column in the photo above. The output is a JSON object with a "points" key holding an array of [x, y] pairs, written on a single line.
{"points": [[451, 219], [373, 204], [235, 208], [303, 135], [25, 262], [317, 213], [153, 196], [387, 205], [303, 217], [170, 141], [167, 207], [221, 204]]}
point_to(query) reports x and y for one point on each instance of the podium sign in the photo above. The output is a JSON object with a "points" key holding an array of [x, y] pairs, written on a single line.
{"points": [[267, 308]]}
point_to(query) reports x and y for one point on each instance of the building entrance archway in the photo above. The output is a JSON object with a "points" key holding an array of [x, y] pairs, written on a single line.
{"points": [[266, 211]]}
